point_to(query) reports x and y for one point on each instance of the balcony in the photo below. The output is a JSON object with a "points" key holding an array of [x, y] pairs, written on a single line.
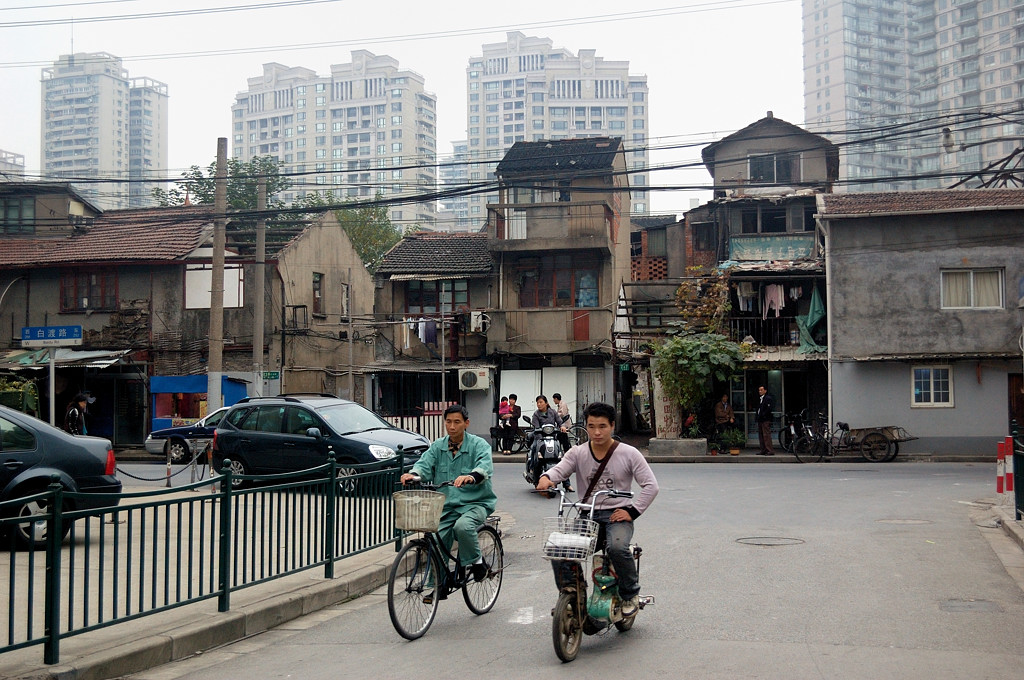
{"points": [[578, 225], [546, 331], [770, 332]]}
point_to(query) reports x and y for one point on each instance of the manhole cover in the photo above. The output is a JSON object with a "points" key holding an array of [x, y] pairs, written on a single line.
{"points": [[769, 540], [969, 606], [904, 521]]}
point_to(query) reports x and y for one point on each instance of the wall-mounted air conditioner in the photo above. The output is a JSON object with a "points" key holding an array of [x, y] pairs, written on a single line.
{"points": [[478, 322], [474, 378]]}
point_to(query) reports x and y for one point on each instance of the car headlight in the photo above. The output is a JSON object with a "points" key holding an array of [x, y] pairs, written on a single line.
{"points": [[381, 452]]}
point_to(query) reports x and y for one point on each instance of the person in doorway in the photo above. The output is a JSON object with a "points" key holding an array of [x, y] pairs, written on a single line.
{"points": [[764, 422], [510, 421], [724, 415], [74, 417], [464, 459], [615, 515]]}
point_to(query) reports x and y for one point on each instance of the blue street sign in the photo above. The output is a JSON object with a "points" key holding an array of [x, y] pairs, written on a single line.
{"points": [[51, 336]]}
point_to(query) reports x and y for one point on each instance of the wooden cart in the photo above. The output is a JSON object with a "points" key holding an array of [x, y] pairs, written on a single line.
{"points": [[879, 444]]}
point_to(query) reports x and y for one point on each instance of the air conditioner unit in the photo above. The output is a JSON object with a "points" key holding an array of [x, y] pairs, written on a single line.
{"points": [[474, 378], [478, 322]]}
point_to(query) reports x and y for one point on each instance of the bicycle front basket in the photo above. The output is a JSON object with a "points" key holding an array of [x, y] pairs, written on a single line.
{"points": [[569, 538], [418, 510]]}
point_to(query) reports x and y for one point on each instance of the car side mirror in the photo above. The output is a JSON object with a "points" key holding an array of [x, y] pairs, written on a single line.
{"points": [[314, 432]]}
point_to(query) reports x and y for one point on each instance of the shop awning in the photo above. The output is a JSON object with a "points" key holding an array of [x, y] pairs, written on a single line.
{"points": [[64, 357]]}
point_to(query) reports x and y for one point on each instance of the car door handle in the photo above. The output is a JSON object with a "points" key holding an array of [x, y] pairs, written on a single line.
{"points": [[13, 464]]}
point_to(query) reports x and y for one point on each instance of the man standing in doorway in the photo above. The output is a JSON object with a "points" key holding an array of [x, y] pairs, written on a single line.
{"points": [[764, 422]]}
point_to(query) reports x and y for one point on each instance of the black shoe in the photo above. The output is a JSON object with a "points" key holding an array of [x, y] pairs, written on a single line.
{"points": [[479, 571]]}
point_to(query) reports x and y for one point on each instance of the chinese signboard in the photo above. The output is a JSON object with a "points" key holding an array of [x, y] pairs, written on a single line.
{"points": [[787, 247], [51, 336]]}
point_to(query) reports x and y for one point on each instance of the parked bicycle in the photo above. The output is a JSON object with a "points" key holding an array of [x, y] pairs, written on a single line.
{"points": [[792, 429], [570, 541], [423, 574], [819, 441]]}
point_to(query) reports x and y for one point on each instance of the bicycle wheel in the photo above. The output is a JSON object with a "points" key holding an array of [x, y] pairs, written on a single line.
{"points": [[520, 442], [807, 450], [578, 435], [413, 577], [786, 440], [875, 447], [566, 631], [480, 596]]}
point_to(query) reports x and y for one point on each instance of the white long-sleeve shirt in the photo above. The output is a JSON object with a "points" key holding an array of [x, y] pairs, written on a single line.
{"points": [[626, 466]]}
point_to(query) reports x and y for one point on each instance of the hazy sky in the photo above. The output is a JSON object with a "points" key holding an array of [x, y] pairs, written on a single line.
{"points": [[712, 67]]}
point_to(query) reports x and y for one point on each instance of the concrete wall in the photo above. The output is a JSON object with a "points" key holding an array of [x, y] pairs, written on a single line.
{"points": [[731, 165], [885, 283], [872, 394]]}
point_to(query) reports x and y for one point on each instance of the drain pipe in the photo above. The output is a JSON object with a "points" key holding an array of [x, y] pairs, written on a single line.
{"points": [[821, 226]]}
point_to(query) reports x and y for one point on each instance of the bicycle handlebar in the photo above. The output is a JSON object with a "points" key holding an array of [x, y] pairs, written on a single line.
{"points": [[592, 505]]}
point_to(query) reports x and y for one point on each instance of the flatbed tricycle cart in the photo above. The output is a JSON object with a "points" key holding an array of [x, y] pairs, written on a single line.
{"points": [[879, 444]]}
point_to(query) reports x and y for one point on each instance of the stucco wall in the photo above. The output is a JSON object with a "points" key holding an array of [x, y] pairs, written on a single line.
{"points": [[885, 295], [872, 394]]}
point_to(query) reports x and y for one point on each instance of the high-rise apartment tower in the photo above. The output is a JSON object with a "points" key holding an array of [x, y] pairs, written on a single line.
{"points": [[918, 92], [367, 128], [97, 123], [525, 89]]}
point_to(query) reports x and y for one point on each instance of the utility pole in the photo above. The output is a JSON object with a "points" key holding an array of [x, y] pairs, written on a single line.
{"points": [[261, 278], [351, 330], [215, 368]]}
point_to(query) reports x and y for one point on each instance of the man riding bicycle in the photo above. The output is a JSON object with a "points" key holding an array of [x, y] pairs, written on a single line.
{"points": [[625, 464], [465, 459]]}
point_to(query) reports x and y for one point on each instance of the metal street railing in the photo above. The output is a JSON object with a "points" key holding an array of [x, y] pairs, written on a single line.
{"points": [[158, 550]]}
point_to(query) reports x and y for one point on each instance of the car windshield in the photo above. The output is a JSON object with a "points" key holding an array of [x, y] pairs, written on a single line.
{"points": [[351, 418]]}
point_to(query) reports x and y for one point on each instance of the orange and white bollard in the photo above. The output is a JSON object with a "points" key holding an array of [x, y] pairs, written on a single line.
{"points": [[1000, 467]]}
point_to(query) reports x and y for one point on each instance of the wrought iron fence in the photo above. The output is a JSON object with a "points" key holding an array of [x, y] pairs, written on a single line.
{"points": [[158, 550]]}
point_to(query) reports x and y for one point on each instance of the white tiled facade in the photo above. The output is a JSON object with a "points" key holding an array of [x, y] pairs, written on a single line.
{"points": [[454, 174], [872, 64], [97, 122], [525, 89], [369, 127]]}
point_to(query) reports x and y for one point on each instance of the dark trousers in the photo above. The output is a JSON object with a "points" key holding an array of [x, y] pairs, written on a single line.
{"points": [[764, 436]]}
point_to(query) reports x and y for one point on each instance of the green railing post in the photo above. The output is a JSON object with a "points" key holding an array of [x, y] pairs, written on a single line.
{"points": [[332, 495], [224, 572], [397, 486], [54, 536]]}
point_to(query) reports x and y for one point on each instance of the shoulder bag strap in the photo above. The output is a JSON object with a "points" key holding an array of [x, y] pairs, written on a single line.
{"points": [[600, 469]]}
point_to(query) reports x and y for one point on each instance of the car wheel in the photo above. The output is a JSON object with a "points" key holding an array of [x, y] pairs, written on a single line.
{"points": [[346, 484], [237, 468], [32, 535], [178, 450]]}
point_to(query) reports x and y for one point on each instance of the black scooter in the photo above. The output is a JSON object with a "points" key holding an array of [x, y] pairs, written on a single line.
{"points": [[548, 451]]}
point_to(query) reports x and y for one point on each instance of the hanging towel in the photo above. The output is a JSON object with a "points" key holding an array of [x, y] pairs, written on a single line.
{"points": [[774, 297]]}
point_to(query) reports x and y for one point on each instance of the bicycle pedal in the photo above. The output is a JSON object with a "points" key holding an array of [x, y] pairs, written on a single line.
{"points": [[646, 600]]}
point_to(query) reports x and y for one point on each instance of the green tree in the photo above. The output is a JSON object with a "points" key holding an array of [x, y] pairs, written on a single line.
{"points": [[688, 363], [200, 186], [370, 229]]}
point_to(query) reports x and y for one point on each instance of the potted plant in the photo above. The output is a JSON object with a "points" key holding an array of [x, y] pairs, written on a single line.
{"points": [[735, 439]]}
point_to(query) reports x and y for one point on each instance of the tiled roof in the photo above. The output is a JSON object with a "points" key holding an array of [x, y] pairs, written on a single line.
{"points": [[563, 155], [648, 221], [148, 234], [439, 253], [908, 202]]}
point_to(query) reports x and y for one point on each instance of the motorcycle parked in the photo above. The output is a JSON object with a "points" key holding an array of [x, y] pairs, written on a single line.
{"points": [[548, 452]]}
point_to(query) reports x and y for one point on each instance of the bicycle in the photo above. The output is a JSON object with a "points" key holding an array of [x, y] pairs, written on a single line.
{"points": [[792, 430], [577, 435], [569, 542], [821, 441], [417, 582]]}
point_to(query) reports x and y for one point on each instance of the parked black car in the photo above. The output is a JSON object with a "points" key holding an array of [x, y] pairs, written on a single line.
{"points": [[185, 442], [31, 451], [267, 435]]}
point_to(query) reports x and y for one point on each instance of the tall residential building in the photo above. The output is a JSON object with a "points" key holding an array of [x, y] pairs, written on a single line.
{"points": [[897, 72], [454, 175], [367, 128], [97, 123], [525, 89], [12, 166]]}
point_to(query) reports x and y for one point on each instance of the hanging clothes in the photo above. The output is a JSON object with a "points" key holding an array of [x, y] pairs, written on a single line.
{"points": [[774, 297], [428, 333], [746, 296]]}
